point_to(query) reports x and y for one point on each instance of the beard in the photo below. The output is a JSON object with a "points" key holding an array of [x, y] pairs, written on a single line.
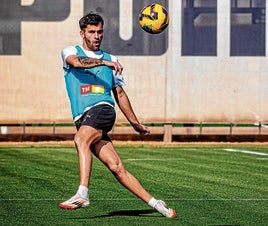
{"points": [[93, 45]]}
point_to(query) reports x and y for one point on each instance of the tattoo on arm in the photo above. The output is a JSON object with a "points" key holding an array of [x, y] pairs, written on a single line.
{"points": [[90, 62]]}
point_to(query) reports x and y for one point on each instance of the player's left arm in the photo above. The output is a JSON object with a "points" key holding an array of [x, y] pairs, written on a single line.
{"points": [[124, 104]]}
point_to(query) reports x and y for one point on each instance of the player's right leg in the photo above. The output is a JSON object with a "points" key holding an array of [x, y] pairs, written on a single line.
{"points": [[84, 137], [90, 127]]}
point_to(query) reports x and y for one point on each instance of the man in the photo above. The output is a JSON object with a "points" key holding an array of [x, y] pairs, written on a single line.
{"points": [[90, 76]]}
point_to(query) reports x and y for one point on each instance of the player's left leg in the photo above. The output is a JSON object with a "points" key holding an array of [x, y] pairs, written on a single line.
{"points": [[104, 150]]}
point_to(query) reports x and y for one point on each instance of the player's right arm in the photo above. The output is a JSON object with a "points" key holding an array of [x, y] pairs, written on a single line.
{"points": [[70, 57], [88, 62]]}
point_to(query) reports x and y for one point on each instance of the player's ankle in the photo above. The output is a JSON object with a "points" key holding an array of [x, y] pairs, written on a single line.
{"points": [[152, 202], [82, 191]]}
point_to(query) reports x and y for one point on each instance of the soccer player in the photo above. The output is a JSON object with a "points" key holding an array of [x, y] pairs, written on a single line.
{"points": [[91, 75]]}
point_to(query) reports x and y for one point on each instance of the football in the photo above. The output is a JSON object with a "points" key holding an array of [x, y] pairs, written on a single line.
{"points": [[154, 18]]}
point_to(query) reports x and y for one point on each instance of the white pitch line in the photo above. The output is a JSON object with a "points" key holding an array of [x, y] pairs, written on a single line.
{"points": [[151, 159], [134, 199], [178, 199], [246, 152]]}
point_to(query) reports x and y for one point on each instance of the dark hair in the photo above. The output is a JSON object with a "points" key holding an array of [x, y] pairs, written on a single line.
{"points": [[92, 19]]}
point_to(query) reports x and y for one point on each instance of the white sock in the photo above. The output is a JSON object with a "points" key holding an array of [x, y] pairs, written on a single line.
{"points": [[152, 202], [83, 191]]}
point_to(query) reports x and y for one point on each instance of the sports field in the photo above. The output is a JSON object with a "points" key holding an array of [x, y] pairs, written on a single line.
{"points": [[208, 184]]}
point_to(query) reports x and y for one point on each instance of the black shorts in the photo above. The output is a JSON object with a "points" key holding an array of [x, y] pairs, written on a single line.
{"points": [[100, 117]]}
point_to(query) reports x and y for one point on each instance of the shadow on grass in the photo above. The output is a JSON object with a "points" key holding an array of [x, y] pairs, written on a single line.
{"points": [[127, 213]]}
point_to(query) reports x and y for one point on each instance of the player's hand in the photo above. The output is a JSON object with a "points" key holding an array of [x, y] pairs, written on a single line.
{"points": [[141, 129], [116, 66]]}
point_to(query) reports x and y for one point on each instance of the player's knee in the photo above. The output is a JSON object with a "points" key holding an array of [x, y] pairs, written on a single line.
{"points": [[118, 171], [77, 139], [80, 141]]}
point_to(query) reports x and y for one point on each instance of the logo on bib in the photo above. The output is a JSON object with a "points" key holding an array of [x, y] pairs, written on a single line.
{"points": [[96, 89]]}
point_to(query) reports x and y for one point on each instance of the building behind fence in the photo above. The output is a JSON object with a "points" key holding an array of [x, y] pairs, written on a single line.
{"points": [[206, 74]]}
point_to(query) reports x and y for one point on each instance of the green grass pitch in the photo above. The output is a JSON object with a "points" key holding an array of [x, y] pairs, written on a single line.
{"points": [[207, 184]]}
